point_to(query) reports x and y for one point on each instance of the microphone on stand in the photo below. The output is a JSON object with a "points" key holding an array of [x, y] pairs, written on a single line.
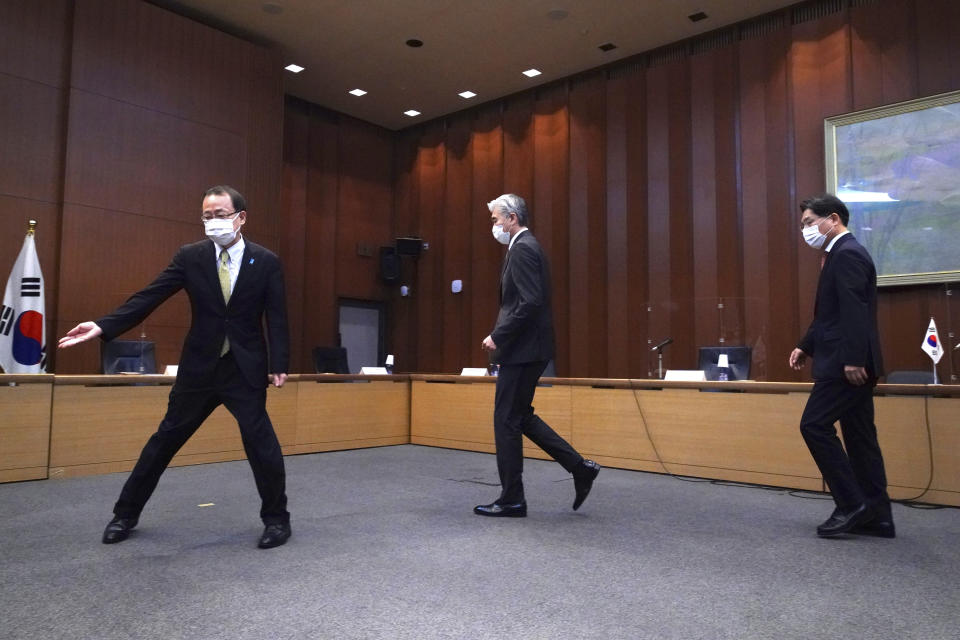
{"points": [[662, 344], [659, 350]]}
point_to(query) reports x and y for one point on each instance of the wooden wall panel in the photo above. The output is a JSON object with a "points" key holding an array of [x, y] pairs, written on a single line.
{"points": [[658, 265], [667, 185], [587, 276], [883, 51], [403, 335], [364, 206], [35, 40], [488, 182], [338, 197], [429, 287], [617, 227], [293, 241], [551, 189], [34, 60], [143, 55], [454, 245], [152, 121], [637, 284], [938, 45]]}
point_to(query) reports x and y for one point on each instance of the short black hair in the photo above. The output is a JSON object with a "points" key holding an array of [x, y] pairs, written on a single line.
{"points": [[239, 202], [825, 204]]}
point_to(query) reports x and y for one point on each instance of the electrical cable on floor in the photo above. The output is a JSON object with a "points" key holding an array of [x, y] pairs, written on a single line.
{"points": [[796, 493], [910, 502], [656, 453]]}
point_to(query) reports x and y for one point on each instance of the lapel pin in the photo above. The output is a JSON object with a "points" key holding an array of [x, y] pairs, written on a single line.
{"points": [[251, 260]]}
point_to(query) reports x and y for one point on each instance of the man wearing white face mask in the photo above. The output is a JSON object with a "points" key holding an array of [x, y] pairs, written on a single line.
{"points": [[233, 285], [845, 346], [522, 343]]}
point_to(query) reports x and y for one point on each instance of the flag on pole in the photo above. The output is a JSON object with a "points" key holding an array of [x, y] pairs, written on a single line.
{"points": [[931, 343], [23, 344]]}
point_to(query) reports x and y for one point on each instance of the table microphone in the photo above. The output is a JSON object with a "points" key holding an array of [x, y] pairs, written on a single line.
{"points": [[662, 344]]}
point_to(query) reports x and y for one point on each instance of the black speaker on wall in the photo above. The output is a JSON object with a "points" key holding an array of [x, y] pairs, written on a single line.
{"points": [[389, 265]]}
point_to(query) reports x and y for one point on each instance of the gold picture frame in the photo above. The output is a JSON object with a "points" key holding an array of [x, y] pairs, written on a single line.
{"points": [[897, 167]]}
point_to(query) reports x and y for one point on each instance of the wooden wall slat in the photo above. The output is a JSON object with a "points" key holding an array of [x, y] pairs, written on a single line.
{"points": [[637, 237], [587, 275], [658, 212], [455, 242], [429, 287], [34, 40], [618, 325], [551, 187], [487, 161], [884, 53], [938, 45], [707, 251]]}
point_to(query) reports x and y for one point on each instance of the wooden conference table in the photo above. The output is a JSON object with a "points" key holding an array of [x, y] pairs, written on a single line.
{"points": [[54, 426]]}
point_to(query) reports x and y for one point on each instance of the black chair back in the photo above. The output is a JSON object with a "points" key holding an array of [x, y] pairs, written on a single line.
{"points": [[330, 360], [118, 356], [910, 377]]}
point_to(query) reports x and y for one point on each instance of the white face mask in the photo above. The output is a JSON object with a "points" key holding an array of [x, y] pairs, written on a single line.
{"points": [[813, 237], [500, 235], [220, 231]]}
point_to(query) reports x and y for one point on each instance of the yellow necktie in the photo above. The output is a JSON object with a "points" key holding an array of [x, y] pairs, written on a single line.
{"points": [[224, 273]]}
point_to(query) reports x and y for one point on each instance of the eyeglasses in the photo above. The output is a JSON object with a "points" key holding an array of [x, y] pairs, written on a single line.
{"points": [[218, 214]]}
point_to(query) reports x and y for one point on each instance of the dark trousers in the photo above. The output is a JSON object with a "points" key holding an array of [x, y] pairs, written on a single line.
{"points": [[186, 411], [856, 475], [513, 418]]}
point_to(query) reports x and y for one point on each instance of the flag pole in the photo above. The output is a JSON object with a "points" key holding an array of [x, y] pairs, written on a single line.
{"points": [[31, 227]]}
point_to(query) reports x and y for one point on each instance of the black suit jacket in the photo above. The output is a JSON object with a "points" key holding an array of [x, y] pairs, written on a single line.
{"points": [[259, 291], [524, 329], [844, 327]]}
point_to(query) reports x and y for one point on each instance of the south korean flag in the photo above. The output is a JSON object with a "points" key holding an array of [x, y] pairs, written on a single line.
{"points": [[23, 344]]}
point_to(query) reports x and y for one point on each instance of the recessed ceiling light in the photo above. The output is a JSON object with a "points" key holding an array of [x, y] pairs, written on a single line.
{"points": [[531, 73], [413, 42], [697, 17], [273, 8], [607, 46], [467, 94], [411, 113], [295, 68], [557, 14], [358, 92]]}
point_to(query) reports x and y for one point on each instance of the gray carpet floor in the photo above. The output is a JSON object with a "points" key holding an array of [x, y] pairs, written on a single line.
{"points": [[385, 546]]}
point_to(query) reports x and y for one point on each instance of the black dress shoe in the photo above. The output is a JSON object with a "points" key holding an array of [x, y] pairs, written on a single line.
{"points": [[118, 529], [274, 535], [876, 528], [518, 510], [841, 522], [583, 479]]}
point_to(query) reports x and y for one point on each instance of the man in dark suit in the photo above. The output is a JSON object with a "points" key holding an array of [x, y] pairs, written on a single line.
{"points": [[232, 284], [845, 346], [522, 344]]}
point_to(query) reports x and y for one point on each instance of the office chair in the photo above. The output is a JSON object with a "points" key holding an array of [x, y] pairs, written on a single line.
{"points": [[330, 360], [738, 356], [119, 356]]}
